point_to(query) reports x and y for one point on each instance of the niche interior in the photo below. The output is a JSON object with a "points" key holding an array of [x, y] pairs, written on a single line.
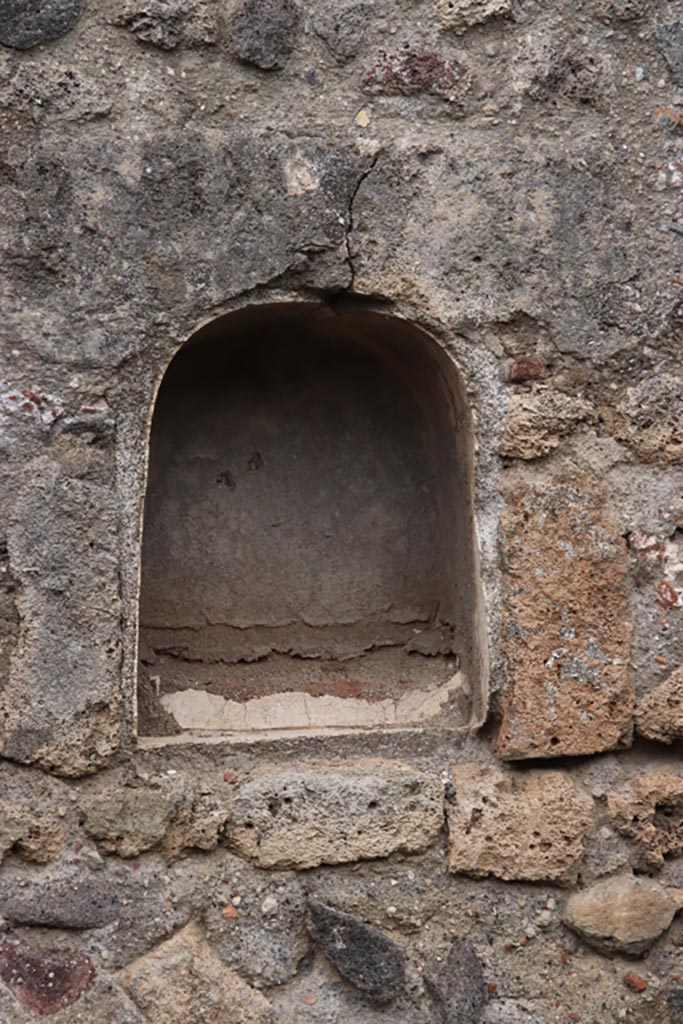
{"points": [[308, 558]]}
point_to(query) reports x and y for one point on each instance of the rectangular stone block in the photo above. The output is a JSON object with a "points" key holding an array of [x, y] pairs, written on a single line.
{"points": [[331, 814], [62, 706], [566, 623], [516, 825]]}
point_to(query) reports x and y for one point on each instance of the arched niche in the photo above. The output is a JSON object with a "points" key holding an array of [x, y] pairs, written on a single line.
{"points": [[308, 556]]}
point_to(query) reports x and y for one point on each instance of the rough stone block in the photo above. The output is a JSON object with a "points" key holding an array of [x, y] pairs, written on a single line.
{"points": [[659, 715], [27, 23], [330, 814], [516, 825], [649, 810], [170, 23], [539, 420], [622, 914], [36, 839], [459, 15], [130, 821], [566, 623], [182, 981], [343, 29], [61, 708], [365, 956], [264, 32]]}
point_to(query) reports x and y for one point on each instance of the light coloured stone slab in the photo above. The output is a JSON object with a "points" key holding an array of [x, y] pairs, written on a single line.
{"points": [[334, 813], [182, 981], [516, 825]]}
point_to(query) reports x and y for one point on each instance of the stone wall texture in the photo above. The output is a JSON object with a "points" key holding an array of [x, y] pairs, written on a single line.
{"points": [[507, 176]]}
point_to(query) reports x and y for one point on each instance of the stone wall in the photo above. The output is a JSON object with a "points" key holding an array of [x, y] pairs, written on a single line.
{"points": [[506, 176]]}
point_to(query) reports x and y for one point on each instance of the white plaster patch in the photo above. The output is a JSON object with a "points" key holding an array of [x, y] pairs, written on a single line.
{"points": [[198, 710]]}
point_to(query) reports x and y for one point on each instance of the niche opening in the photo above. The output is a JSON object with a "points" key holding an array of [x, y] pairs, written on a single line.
{"points": [[308, 558]]}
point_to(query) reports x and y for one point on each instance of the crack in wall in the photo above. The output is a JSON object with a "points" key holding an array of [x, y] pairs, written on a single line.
{"points": [[350, 219]]}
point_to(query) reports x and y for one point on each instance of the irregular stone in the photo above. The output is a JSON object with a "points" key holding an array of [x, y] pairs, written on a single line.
{"points": [[63, 545], [264, 32], [36, 839], [659, 715], [265, 952], [170, 23], [330, 814], [459, 15], [26, 23], [649, 418], [649, 810], [343, 28], [69, 903], [516, 825], [623, 914], [538, 421], [526, 368], [457, 984], [363, 955], [674, 1000], [44, 981], [669, 42], [415, 72], [182, 981], [45, 91], [567, 622], [130, 821]]}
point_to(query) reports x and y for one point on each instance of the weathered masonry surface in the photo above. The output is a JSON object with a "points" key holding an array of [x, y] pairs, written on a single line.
{"points": [[341, 515]]}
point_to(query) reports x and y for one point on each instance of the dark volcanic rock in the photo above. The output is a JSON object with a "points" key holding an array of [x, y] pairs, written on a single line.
{"points": [[457, 985], [44, 981], [343, 29], [264, 32], [26, 23], [361, 953]]}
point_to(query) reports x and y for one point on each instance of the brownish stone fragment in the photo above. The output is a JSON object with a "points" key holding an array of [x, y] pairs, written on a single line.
{"points": [[516, 825], [44, 981], [623, 914], [566, 623], [182, 981], [527, 368], [650, 811], [659, 716], [539, 420]]}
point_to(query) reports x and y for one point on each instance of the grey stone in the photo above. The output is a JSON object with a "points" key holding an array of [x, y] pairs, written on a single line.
{"points": [[62, 703], [26, 23], [264, 32], [343, 29], [457, 985], [674, 1001], [669, 42], [365, 956], [170, 23], [75, 903], [334, 813]]}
